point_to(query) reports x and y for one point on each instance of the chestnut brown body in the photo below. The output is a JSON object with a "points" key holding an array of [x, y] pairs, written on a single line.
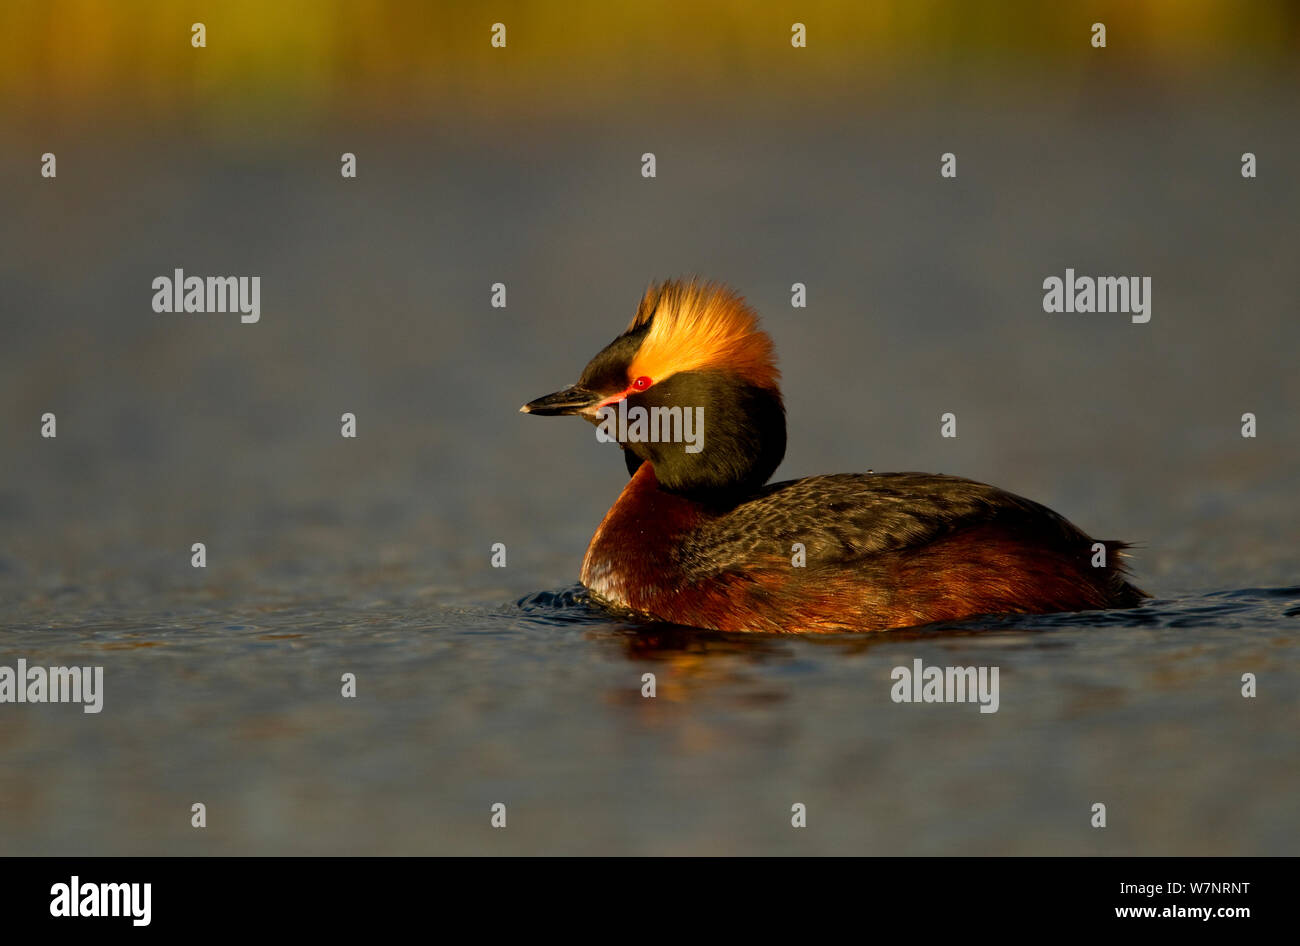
{"points": [[878, 551]]}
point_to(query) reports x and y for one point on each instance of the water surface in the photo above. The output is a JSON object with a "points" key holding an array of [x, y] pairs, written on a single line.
{"points": [[479, 685]]}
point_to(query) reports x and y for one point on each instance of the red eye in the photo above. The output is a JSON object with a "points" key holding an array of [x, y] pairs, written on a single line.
{"points": [[642, 383]]}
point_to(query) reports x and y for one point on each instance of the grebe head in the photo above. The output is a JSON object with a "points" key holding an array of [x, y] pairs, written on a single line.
{"points": [[690, 345]]}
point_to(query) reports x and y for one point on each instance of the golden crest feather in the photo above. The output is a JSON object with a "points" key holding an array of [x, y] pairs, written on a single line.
{"points": [[697, 325]]}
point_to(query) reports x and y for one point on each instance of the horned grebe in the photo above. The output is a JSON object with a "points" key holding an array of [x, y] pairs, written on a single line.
{"points": [[696, 538]]}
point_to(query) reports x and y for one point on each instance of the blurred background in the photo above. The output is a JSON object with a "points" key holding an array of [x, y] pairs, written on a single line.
{"points": [[522, 165]]}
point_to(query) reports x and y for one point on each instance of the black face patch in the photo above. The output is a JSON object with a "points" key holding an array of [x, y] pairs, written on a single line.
{"points": [[607, 372], [743, 435]]}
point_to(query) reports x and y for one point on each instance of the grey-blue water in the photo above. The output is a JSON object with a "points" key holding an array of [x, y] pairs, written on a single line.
{"points": [[477, 685]]}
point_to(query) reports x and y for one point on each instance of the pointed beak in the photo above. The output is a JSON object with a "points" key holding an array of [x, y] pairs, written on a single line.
{"points": [[572, 400]]}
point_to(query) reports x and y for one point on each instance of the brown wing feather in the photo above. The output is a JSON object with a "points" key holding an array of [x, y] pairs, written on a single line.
{"points": [[890, 550]]}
